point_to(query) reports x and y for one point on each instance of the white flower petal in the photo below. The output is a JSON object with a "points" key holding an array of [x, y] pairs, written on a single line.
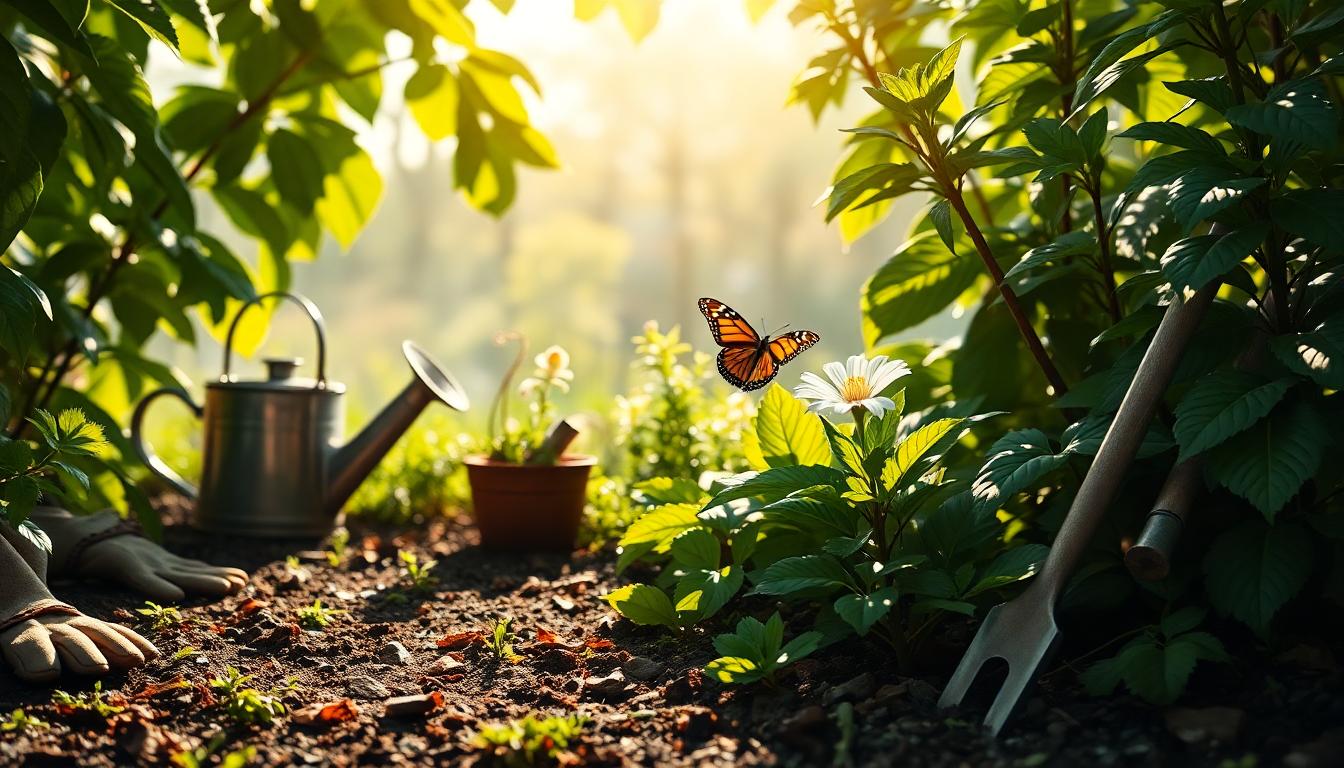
{"points": [[836, 372], [857, 365]]}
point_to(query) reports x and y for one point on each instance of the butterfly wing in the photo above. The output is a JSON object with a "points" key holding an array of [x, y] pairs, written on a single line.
{"points": [[746, 368], [790, 345], [728, 327]]}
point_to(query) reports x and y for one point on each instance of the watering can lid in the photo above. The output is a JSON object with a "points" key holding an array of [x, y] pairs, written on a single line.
{"points": [[280, 377]]}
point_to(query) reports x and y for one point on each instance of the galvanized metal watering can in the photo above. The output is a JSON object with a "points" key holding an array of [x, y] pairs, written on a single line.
{"points": [[273, 462]]}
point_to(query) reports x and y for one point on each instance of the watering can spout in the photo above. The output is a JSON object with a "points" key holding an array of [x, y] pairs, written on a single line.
{"points": [[352, 462]]}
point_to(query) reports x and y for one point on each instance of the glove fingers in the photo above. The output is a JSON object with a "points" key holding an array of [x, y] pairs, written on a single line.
{"points": [[152, 586], [146, 648], [116, 647], [199, 583], [236, 578], [78, 653], [29, 651], [188, 564]]}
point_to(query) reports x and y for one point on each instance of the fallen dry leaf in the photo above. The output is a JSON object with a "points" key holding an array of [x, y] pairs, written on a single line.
{"points": [[248, 607], [154, 689], [327, 714], [598, 644], [459, 640], [546, 636]]}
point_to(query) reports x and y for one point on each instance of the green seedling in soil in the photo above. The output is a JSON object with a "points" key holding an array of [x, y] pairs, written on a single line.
{"points": [[499, 639], [246, 704], [161, 617], [20, 721], [531, 741], [418, 576], [756, 651], [92, 701], [340, 540], [184, 652], [317, 616], [200, 756]]}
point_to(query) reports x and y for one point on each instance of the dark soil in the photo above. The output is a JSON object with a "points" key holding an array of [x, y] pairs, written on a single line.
{"points": [[846, 705]]}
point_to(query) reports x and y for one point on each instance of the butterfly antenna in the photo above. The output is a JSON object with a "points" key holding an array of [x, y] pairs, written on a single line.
{"points": [[783, 327]]}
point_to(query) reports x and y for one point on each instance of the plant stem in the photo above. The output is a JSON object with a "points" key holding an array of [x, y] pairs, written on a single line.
{"points": [[1024, 325], [1066, 79], [1104, 244]]}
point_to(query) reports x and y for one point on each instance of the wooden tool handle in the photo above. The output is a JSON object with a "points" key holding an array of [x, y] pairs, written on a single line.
{"points": [[1123, 437], [553, 447]]}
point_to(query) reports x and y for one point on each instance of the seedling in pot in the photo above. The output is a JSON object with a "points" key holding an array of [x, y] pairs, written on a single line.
{"points": [[317, 616]]}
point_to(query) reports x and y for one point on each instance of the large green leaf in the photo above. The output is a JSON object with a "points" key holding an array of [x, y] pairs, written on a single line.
{"points": [[1318, 353], [20, 188], [1101, 68], [644, 604], [151, 17], [1173, 134], [1251, 570], [787, 433], [1015, 461], [655, 530], [1196, 261], [696, 548], [912, 449], [431, 95], [863, 611], [1295, 111], [296, 170], [350, 197], [1268, 463], [1299, 211], [916, 283], [885, 179], [1221, 405], [1076, 243], [807, 572], [704, 591], [776, 483]]}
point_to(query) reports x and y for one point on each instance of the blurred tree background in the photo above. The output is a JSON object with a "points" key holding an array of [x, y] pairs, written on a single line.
{"points": [[681, 175]]}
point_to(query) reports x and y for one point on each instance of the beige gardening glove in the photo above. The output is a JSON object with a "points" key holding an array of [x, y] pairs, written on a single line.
{"points": [[40, 636], [102, 546]]}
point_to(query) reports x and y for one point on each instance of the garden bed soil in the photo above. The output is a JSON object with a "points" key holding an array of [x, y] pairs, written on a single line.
{"points": [[642, 688]]}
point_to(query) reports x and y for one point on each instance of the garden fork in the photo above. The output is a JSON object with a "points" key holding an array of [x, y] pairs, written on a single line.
{"points": [[1022, 631]]}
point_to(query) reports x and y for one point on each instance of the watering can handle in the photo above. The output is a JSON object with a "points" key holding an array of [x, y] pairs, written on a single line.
{"points": [[314, 314], [157, 465]]}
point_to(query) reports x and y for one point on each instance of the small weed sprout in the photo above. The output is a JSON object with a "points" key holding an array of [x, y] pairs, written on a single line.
{"points": [[317, 616], [184, 652], [20, 721], [418, 576], [340, 540], [200, 756], [531, 741], [92, 701], [246, 704], [499, 639], [160, 617]]}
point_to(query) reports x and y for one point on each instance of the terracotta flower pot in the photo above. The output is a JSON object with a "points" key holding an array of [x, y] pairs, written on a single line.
{"points": [[529, 508]]}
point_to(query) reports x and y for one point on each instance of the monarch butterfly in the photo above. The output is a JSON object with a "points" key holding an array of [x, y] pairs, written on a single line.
{"points": [[748, 360]]}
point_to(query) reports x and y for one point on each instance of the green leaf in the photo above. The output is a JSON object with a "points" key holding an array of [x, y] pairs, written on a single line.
{"points": [[863, 611], [1299, 212], [940, 213], [887, 179], [670, 490], [655, 530], [350, 197], [1295, 111], [776, 483], [1253, 569], [1269, 462], [1316, 353], [1016, 460], [446, 20], [296, 170], [896, 473], [1204, 192], [1075, 243], [1221, 405], [643, 604], [704, 592], [1175, 135], [696, 548], [1212, 91], [152, 18], [787, 433], [1103, 64], [1196, 261], [20, 188], [1010, 567], [919, 280], [431, 95], [794, 574]]}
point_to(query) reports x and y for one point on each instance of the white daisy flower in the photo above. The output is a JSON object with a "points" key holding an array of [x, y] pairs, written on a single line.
{"points": [[858, 383]]}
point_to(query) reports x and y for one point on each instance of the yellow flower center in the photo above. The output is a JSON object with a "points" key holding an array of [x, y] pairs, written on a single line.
{"points": [[856, 388], [553, 362]]}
